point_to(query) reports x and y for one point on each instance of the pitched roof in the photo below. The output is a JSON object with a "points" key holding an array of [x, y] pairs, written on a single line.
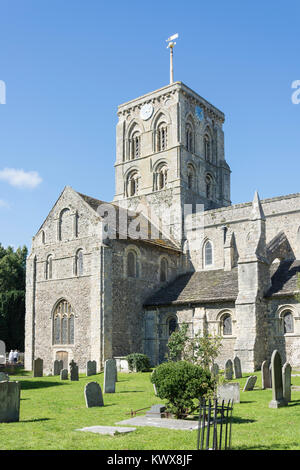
{"points": [[202, 286], [284, 278]]}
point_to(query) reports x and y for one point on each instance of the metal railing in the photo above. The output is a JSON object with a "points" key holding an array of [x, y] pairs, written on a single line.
{"points": [[214, 426]]}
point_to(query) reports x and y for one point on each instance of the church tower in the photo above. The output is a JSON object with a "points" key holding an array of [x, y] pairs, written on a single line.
{"points": [[170, 152]]}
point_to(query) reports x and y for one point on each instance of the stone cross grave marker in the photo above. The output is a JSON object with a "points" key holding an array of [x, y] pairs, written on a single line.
{"points": [[249, 385], [109, 376], [64, 374], [38, 367], [91, 368], [9, 401], [265, 375], [73, 371], [57, 367], [93, 395], [277, 388], [286, 381], [237, 367], [228, 372]]}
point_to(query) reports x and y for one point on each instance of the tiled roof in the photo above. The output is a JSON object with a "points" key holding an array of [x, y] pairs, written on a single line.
{"points": [[284, 278]]}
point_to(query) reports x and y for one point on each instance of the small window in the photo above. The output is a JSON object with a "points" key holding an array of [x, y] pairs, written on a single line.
{"points": [[49, 265], [191, 177], [132, 264], [207, 148], [79, 263], [189, 138], [162, 137], [172, 325], [132, 184], [135, 146], [288, 322], [208, 254], [162, 177], [226, 325], [163, 269], [209, 187]]}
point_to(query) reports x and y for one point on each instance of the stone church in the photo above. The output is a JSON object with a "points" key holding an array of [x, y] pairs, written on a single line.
{"points": [[108, 279]]}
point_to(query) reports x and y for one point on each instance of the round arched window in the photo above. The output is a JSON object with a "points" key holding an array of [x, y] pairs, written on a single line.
{"points": [[288, 322], [226, 324], [172, 325]]}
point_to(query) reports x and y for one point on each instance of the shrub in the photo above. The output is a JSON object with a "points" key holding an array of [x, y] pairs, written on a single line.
{"points": [[181, 383], [138, 362]]}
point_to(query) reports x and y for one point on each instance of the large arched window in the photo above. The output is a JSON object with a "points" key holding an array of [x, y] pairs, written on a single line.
{"points": [[49, 267], [207, 147], [132, 264], [189, 137], [287, 322], [208, 254], [209, 186], [135, 145], [132, 184], [79, 263], [63, 323], [161, 176], [162, 136], [65, 226], [226, 324], [163, 275]]}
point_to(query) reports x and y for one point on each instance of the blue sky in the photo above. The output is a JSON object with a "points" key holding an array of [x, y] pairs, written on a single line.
{"points": [[67, 65]]}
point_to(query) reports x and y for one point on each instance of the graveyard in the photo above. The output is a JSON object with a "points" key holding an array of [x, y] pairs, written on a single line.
{"points": [[52, 410]]}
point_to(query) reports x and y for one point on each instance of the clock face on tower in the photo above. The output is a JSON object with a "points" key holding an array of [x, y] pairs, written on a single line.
{"points": [[199, 113], [146, 111]]}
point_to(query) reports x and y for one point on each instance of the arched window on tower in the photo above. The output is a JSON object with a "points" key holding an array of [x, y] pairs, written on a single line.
{"points": [[162, 136], [207, 147], [161, 176], [132, 184], [79, 263], [132, 264], [208, 254], [135, 146], [189, 137], [63, 323], [163, 270], [191, 177], [49, 267], [209, 186]]}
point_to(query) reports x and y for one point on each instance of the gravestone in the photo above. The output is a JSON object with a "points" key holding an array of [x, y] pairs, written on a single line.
{"points": [[265, 375], [228, 392], [9, 401], [270, 374], [57, 367], [156, 411], [237, 367], [249, 385], [286, 381], [214, 370], [93, 395], [109, 376], [91, 368], [155, 391], [73, 371], [64, 374], [228, 372], [4, 377], [38, 367], [277, 388]]}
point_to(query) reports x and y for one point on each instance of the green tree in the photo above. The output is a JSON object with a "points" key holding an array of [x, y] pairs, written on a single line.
{"points": [[12, 296]]}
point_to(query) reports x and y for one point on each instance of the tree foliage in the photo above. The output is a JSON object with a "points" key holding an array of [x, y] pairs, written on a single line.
{"points": [[12, 296]]}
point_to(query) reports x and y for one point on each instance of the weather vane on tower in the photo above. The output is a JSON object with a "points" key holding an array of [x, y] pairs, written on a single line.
{"points": [[170, 46]]}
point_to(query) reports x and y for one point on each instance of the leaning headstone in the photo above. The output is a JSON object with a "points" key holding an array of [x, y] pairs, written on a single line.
{"points": [[265, 375], [277, 388], [156, 411], [228, 392], [249, 385], [38, 367], [91, 368], [4, 377], [9, 401], [93, 395], [64, 374], [214, 370], [109, 376], [73, 371], [237, 367], [286, 381], [57, 367], [228, 373]]}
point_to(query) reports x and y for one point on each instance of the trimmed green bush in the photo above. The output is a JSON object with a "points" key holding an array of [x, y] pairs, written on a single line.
{"points": [[182, 384], [138, 362]]}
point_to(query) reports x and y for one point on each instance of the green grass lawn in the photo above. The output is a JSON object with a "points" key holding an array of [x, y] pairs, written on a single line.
{"points": [[52, 409]]}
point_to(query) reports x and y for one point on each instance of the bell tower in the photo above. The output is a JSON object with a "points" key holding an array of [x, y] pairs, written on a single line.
{"points": [[170, 152]]}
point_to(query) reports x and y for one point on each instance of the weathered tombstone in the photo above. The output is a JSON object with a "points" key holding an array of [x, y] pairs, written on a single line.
{"points": [[57, 367], [9, 401], [277, 388], [116, 370], [155, 411], [93, 395], [214, 370], [265, 375], [73, 371], [91, 368], [228, 392], [64, 374], [228, 372], [4, 377], [38, 367], [249, 385], [286, 381], [109, 376], [237, 367]]}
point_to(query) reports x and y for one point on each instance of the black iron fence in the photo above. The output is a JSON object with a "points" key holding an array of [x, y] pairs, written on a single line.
{"points": [[214, 427]]}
